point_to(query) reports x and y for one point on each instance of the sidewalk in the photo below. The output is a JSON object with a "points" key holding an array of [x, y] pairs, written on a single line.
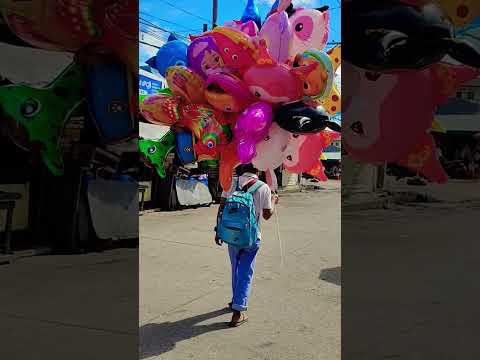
{"points": [[294, 312]]}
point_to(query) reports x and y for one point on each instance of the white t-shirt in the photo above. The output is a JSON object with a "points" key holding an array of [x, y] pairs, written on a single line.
{"points": [[262, 197]]}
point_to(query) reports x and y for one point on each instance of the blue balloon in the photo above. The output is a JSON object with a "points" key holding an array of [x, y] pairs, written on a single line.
{"points": [[251, 13], [173, 53]]}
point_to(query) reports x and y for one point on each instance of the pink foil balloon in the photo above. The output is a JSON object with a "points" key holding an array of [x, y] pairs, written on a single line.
{"points": [[252, 126]]}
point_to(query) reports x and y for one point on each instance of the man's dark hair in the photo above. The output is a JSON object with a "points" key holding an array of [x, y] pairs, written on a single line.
{"points": [[247, 168]]}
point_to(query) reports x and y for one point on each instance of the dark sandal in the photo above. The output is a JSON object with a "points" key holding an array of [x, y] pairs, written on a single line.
{"points": [[238, 323]]}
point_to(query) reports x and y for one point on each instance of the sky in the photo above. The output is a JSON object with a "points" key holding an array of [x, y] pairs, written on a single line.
{"points": [[188, 16]]}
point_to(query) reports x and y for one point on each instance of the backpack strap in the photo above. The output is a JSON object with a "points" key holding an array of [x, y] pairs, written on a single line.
{"points": [[255, 186]]}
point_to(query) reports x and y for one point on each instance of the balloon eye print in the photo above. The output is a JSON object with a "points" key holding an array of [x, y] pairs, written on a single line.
{"points": [[30, 108], [152, 150]]}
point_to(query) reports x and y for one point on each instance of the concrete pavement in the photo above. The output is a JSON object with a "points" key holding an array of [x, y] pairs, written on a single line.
{"points": [[295, 304]]}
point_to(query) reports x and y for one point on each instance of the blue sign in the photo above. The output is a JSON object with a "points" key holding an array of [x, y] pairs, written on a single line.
{"points": [[149, 86]]}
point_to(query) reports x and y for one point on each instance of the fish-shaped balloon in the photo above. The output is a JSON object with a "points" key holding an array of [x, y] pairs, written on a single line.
{"points": [[156, 151], [161, 109], [40, 114], [203, 122], [386, 36], [173, 53]]}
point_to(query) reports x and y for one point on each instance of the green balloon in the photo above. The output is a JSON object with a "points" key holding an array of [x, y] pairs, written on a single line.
{"points": [[156, 151], [42, 112]]}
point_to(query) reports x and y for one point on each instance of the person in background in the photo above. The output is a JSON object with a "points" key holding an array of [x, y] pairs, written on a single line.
{"points": [[476, 160], [243, 260]]}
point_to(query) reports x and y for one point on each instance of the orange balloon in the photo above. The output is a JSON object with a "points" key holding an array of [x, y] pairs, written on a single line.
{"points": [[228, 162]]}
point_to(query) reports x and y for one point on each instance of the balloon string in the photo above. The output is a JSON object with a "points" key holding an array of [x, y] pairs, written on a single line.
{"points": [[277, 226]]}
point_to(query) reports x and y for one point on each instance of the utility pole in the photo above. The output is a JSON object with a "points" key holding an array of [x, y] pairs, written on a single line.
{"points": [[214, 14]]}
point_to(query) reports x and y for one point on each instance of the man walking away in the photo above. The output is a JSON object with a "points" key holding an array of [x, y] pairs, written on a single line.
{"points": [[243, 259]]}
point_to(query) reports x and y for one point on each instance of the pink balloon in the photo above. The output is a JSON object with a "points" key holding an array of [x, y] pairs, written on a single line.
{"points": [[277, 32], [270, 150], [303, 151], [310, 30], [394, 112], [251, 127], [270, 153]]}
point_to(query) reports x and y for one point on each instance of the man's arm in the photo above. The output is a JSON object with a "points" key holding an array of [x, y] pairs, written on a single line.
{"points": [[269, 209]]}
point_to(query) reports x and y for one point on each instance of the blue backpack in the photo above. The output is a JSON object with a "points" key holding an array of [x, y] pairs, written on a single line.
{"points": [[238, 224]]}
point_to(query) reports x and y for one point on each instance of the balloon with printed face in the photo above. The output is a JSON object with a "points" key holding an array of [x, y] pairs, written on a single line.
{"points": [[271, 148], [237, 49], [303, 152], [203, 122], [395, 110], [252, 126], [204, 56], [272, 82], [173, 53], [318, 83], [310, 30], [270, 153]]}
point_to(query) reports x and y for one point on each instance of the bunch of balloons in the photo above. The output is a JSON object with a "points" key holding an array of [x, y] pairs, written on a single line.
{"points": [[73, 26], [252, 92], [102, 32], [398, 68]]}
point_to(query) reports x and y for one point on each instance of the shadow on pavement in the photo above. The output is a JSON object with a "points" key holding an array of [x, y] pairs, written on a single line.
{"points": [[156, 339], [332, 275]]}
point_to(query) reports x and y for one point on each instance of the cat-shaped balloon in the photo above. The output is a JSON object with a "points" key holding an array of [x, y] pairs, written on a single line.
{"points": [[310, 29]]}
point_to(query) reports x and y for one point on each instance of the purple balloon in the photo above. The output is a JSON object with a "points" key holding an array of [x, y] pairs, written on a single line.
{"points": [[252, 126]]}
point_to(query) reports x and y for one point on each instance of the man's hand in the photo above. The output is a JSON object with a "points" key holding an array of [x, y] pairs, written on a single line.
{"points": [[275, 198], [218, 241]]}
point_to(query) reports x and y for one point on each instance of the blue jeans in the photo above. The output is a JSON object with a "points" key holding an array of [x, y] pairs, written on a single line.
{"points": [[243, 266]]}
